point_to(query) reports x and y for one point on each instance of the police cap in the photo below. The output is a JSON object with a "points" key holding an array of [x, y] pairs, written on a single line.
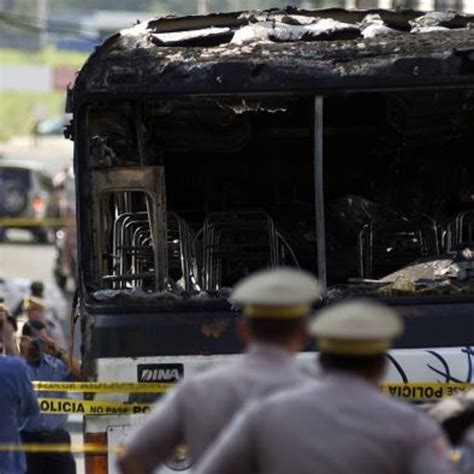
{"points": [[281, 293], [356, 328], [33, 302]]}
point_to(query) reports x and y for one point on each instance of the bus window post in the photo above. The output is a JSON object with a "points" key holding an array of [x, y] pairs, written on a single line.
{"points": [[319, 189]]}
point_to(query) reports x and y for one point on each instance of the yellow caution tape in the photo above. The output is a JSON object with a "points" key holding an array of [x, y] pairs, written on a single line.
{"points": [[59, 448], [410, 390], [419, 391], [29, 222], [65, 406], [102, 387], [416, 391]]}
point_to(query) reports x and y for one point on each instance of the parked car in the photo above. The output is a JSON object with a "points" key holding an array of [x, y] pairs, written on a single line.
{"points": [[25, 192]]}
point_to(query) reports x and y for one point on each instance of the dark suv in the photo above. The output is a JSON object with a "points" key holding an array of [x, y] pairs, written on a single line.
{"points": [[25, 194]]}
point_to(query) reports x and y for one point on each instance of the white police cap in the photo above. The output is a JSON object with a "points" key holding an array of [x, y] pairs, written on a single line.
{"points": [[359, 327], [277, 293]]}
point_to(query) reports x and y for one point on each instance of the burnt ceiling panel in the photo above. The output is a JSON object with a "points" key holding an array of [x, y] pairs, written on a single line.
{"points": [[283, 51]]}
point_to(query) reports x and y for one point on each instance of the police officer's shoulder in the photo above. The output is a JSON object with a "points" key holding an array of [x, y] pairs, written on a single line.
{"points": [[215, 378], [13, 363], [283, 405], [279, 286]]}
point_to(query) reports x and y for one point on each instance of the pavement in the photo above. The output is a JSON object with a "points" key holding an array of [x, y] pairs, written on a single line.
{"points": [[53, 153]]}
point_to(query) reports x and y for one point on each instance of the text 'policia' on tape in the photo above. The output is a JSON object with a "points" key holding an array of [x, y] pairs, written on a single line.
{"points": [[420, 391], [414, 391], [65, 406]]}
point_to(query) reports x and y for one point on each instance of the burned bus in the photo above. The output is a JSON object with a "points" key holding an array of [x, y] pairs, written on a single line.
{"points": [[207, 147]]}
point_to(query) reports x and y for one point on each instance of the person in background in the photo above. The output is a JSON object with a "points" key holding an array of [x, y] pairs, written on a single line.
{"points": [[46, 362], [37, 289], [342, 424], [275, 304], [34, 309], [18, 402], [456, 417], [9, 328]]}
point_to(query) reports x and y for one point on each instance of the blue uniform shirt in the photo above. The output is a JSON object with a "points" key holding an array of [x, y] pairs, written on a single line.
{"points": [[17, 402], [49, 369]]}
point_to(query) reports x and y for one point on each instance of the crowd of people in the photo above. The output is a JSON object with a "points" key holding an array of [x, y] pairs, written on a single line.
{"points": [[33, 344], [259, 413]]}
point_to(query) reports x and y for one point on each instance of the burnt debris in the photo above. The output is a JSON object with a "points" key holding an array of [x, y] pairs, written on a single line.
{"points": [[281, 51]]}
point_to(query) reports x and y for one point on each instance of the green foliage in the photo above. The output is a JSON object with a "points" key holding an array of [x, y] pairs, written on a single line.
{"points": [[17, 111], [49, 56]]}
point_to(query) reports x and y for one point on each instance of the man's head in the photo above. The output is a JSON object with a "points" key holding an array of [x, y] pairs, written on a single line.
{"points": [[37, 289], [34, 308], [275, 305], [291, 334], [354, 336], [32, 340]]}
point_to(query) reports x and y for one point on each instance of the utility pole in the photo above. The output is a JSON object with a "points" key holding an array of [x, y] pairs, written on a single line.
{"points": [[202, 7], [319, 189], [42, 22]]}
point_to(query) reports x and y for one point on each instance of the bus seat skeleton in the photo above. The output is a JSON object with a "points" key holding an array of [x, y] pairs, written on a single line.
{"points": [[199, 146]]}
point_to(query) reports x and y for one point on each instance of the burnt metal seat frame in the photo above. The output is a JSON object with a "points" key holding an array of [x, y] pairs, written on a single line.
{"points": [[428, 246], [217, 225]]}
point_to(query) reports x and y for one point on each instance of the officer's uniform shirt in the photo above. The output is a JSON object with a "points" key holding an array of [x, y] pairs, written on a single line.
{"points": [[339, 425], [49, 369], [200, 407], [466, 450], [460, 409], [17, 402]]}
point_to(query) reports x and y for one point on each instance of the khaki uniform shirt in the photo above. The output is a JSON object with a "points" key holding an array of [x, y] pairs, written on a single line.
{"points": [[338, 425], [201, 406]]}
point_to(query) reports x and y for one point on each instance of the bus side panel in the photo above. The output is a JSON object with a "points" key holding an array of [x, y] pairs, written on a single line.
{"points": [[435, 364]]}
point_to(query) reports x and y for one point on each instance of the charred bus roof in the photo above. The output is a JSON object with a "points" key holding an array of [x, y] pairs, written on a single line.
{"points": [[282, 51]]}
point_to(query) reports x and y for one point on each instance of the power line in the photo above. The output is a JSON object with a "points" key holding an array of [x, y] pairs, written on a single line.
{"points": [[28, 23]]}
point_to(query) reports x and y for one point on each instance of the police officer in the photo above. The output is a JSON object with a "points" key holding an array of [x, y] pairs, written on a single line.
{"points": [[8, 327], [342, 423], [17, 401], [275, 306], [456, 417], [46, 428], [34, 309]]}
